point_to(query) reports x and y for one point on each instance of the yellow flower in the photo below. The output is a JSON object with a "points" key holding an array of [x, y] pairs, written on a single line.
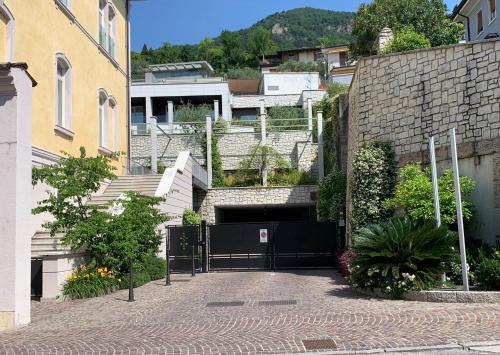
{"points": [[99, 270], [105, 269]]}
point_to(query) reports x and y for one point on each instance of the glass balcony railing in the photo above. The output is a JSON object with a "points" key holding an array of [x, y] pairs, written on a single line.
{"points": [[102, 36]]}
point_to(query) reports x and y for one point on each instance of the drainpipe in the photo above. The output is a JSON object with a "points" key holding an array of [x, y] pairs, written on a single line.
{"points": [[129, 83]]}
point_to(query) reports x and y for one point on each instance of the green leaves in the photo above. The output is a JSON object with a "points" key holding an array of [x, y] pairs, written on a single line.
{"points": [[331, 196], [406, 40], [190, 218], [414, 195], [426, 17], [72, 182], [399, 255]]}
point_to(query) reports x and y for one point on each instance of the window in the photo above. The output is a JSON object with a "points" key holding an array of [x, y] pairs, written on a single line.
{"points": [[107, 27], [113, 109], [493, 9], [6, 34], [103, 120], [63, 93], [480, 22], [66, 3], [273, 88]]}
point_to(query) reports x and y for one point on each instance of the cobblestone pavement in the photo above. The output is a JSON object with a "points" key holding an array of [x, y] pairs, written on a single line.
{"points": [[315, 305]]}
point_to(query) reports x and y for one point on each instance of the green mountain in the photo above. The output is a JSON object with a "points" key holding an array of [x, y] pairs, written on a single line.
{"points": [[306, 27], [297, 28]]}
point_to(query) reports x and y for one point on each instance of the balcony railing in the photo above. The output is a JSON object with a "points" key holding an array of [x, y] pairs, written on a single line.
{"points": [[111, 46]]}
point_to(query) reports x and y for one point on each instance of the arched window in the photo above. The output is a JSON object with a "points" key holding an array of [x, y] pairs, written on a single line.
{"points": [[103, 119], [113, 111], [63, 92], [107, 27], [6, 34]]}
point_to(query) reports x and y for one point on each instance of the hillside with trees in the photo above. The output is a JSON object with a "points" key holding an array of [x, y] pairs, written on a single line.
{"points": [[302, 27]]}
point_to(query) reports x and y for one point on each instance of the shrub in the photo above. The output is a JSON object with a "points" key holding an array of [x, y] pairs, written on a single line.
{"points": [[150, 269], [373, 181], [217, 171], [331, 196], [283, 118], [90, 281], [488, 273], [343, 260], [191, 113], [406, 40], [243, 73], [262, 157], [190, 218], [291, 177], [400, 255], [293, 66], [414, 195]]}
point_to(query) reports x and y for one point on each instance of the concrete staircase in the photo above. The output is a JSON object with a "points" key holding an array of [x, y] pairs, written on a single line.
{"points": [[143, 184], [43, 244]]}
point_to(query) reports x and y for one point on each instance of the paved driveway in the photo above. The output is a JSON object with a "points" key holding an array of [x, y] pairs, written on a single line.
{"points": [[267, 313]]}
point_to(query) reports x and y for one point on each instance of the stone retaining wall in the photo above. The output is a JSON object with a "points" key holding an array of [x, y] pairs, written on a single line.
{"points": [[295, 146], [254, 197], [405, 98]]}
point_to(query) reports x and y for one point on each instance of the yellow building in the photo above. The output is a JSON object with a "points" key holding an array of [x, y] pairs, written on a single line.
{"points": [[77, 51]]}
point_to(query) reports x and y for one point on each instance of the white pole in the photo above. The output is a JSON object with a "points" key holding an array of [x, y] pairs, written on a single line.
{"points": [[209, 151], [435, 187], [321, 160], [154, 145], [309, 114], [263, 140], [458, 201]]}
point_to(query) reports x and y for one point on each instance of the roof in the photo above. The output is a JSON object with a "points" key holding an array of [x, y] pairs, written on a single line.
{"points": [[181, 66], [458, 8], [300, 49], [336, 49]]}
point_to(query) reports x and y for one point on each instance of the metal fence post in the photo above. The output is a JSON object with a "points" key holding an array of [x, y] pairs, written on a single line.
{"points": [[321, 160], [168, 281], [208, 163], [130, 280], [193, 266], [204, 246], [309, 114]]}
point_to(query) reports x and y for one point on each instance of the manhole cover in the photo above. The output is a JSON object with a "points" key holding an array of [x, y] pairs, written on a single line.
{"points": [[277, 303], [225, 304], [319, 344]]}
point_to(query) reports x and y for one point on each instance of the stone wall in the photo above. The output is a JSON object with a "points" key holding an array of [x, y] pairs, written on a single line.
{"points": [[406, 98], [254, 197], [295, 146]]}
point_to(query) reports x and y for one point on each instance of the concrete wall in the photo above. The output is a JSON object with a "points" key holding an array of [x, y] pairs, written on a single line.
{"points": [[289, 83], [296, 147], [255, 197], [405, 98]]}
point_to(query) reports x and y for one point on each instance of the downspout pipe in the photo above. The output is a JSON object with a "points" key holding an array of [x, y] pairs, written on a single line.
{"points": [[468, 26], [129, 83]]}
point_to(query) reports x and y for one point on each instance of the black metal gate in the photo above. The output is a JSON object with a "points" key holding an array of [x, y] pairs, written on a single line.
{"points": [[183, 242], [272, 245]]}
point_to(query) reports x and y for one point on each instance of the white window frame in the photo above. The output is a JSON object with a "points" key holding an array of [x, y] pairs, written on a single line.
{"points": [[113, 109], [492, 15], [11, 25], [103, 119], [65, 125], [108, 26]]}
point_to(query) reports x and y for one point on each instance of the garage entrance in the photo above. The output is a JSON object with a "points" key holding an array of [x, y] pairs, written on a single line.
{"points": [[272, 245]]}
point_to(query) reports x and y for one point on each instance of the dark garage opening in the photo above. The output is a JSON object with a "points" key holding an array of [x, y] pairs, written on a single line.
{"points": [[265, 214]]}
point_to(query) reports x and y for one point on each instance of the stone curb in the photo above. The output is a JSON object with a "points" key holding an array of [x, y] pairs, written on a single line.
{"points": [[439, 296]]}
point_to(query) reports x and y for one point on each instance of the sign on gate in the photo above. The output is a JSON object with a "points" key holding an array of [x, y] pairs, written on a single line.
{"points": [[263, 235]]}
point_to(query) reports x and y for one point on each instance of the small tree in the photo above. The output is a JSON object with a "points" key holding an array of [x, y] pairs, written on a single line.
{"points": [[262, 158], [261, 43], [414, 195], [406, 40], [190, 218], [217, 171], [73, 181], [129, 230]]}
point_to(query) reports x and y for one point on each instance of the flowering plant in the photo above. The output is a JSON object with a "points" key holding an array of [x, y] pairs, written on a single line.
{"points": [[90, 281]]}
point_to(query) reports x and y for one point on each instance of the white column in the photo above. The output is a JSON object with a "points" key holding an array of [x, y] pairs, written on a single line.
{"points": [[209, 151], [170, 112], [149, 108], [321, 164], [216, 110], [263, 139], [154, 144], [15, 194], [309, 114]]}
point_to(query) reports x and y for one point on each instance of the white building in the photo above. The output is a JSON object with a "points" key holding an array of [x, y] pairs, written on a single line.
{"points": [[479, 19]]}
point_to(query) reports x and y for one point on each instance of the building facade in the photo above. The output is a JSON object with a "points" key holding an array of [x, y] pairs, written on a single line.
{"points": [[479, 18], [78, 53]]}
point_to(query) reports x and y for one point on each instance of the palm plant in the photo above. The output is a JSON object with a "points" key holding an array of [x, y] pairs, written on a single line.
{"points": [[400, 254]]}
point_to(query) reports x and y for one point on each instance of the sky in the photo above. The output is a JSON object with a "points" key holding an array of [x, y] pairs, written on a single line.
{"points": [[189, 21]]}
